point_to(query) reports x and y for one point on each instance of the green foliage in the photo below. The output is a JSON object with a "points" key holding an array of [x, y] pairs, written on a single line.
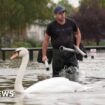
{"points": [[16, 14], [93, 43], [28, 43], [34, 43], [103, 3], [21, 44]]}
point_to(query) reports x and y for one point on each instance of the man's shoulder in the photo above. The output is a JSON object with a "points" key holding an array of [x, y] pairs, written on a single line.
{"points": [[70, 20], [52, 23]]}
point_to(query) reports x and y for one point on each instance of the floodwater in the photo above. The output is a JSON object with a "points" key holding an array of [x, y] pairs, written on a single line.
{"points": [[92, 72]]}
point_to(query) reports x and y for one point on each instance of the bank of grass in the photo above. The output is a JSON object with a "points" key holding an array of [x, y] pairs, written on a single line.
{"points": [[26, 44], [93, 43]]}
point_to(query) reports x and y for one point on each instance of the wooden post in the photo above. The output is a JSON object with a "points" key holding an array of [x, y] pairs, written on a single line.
{"points": [[31, 55], [3, 55]]}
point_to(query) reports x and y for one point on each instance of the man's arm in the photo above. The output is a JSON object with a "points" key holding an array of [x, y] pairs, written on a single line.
{"points": [[44, 47], [78, 37]]}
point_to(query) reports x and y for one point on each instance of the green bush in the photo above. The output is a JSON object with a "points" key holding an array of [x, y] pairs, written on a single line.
{"points": [[93, 43], [34, 43], [21, 44], [28, 43]]}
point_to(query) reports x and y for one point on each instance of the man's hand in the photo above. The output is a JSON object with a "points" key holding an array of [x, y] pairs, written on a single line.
{"points": [[44, 48], [77, 46], [44, 58]]}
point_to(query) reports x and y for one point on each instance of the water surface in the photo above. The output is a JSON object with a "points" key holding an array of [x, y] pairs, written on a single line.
{"points": [[92, 71]]}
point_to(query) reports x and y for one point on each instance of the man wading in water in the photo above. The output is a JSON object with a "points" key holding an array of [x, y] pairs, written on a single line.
{"points": [[63, 32]]}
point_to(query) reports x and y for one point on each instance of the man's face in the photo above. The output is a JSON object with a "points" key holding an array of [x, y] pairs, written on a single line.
{"points": [[60, 16]]}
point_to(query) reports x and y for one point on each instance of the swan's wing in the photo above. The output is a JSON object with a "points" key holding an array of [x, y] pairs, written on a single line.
{"points": [[57, 84], [48, 85]]}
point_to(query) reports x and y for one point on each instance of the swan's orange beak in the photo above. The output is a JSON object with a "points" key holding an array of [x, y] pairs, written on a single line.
{"points": [[15, 55]]}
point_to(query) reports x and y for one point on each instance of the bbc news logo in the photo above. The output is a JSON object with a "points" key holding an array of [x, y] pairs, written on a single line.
{"points": [[7, 93]]}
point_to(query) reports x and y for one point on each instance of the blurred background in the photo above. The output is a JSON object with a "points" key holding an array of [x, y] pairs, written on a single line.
{"points": [[23, 23]]}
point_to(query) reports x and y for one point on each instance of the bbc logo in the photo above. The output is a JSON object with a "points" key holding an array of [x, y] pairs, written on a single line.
{"points": [[7, 93]]}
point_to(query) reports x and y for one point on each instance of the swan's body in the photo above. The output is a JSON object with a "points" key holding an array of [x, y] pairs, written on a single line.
{"points": [[57, 84]]}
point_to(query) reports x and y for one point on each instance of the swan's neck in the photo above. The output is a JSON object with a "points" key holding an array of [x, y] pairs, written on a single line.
{"points": [[18, 83]]}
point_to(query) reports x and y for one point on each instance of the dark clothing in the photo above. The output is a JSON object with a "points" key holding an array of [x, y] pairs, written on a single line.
{"points": [[60, 59], [62, 35]]}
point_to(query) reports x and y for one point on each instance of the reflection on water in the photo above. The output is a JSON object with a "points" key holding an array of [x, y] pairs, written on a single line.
{"points": [[92, 72], [56, 99]]}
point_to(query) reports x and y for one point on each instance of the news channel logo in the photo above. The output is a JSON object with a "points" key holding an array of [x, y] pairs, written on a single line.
{"points": [[7, 93]]}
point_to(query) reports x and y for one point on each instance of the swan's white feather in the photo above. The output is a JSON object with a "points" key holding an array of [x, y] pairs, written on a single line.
{"points": [[56, 84]]}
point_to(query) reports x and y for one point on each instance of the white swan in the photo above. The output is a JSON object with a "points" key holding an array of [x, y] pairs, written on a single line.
{"points": [[56, 84]]}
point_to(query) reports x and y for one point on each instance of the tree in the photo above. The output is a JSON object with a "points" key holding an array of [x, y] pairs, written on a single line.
{"points": [[15, 15], [91, 19]]}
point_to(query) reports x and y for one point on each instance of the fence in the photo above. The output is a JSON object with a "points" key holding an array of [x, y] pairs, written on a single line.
{"points": [[31, 50]]}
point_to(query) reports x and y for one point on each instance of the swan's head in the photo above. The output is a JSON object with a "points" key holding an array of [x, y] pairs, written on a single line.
{"points": [[19, 52]]}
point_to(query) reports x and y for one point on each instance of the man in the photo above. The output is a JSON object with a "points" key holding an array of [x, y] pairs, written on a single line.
{"points": [[63, 32]]}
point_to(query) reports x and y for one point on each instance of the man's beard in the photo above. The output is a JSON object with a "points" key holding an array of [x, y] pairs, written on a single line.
{"points": [[61, 20]]}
